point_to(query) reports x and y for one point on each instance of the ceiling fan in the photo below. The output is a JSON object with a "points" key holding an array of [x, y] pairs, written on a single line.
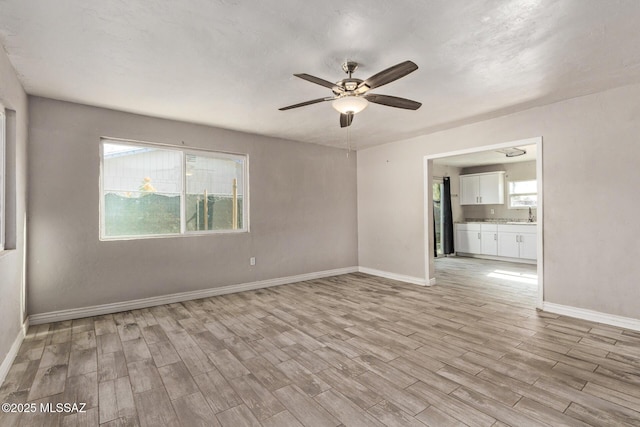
{"points": [[350, 95]]}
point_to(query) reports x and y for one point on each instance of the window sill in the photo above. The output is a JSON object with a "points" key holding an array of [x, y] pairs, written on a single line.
{"points": [[173, 236]]}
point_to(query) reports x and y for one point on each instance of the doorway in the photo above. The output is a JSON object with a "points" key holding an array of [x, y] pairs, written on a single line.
{"points": [[433, 200]]}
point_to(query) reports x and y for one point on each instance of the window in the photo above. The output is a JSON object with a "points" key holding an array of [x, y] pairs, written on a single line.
{"points": [[3, 177], [153, 190], [523, 194]]}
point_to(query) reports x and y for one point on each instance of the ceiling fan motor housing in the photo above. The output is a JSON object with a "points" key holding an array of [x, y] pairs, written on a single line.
{"points": [[349, 85], [349, 67]]}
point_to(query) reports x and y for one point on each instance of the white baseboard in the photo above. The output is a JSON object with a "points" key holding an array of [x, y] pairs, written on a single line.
{"points": [[97, 310], [432, 281], [594, 316], [13, 352], [395, 276], [497, 258]]}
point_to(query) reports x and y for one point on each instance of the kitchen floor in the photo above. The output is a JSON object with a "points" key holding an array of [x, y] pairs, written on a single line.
{"points": [[516, 282]]}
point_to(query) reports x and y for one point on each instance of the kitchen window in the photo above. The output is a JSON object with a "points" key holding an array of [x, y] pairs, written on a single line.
{"points": [[150, 190], [523, 194]]}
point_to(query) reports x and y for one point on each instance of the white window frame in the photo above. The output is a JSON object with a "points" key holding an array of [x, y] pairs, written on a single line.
{"points": [[511, 194], [3, 177], [183, 155]]}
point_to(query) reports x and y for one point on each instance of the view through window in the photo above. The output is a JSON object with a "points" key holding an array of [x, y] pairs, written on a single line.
{"points": [[155, 190], [523, 194]]}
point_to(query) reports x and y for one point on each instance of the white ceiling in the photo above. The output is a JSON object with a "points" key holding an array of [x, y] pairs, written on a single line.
{"points": [[489, 157], [229, 63]]}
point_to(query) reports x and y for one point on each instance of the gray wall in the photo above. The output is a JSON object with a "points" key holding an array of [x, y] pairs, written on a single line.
{"points": [[520, 171], [302, 213], [591, 198], [13, 97]]}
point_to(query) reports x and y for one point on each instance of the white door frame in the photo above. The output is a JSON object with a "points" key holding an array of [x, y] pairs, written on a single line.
{"points": [[428, 221], [439, 180]]}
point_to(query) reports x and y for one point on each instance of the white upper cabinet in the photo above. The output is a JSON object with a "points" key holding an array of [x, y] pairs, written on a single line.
{"points": [[492, 188], [469, 190], [482, 188]]}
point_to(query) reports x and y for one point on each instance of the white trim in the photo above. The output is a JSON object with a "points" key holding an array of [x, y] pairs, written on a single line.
{"points": [[427, 180], [432, 281], [593, 316], [498, 258], [97, 310], [165, 145], [492, 147], [394, 276], [13, 352], [428, 230], [539, 227], [3, 176]]}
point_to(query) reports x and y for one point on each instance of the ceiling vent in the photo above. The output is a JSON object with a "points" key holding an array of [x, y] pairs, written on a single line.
{"points": [[512, 152]]}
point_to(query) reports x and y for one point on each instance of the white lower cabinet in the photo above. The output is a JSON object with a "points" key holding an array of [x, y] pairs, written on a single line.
{"points": [[489, 239], [528, 246], [517, 241], [508, 245], [503, 240], [468, 238]]}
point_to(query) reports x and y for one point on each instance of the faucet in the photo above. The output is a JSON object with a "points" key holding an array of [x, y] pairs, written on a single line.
{"points": [[531, 219]]}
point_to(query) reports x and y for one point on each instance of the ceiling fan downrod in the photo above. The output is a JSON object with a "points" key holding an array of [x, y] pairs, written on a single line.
{"points": [[349, 67]]}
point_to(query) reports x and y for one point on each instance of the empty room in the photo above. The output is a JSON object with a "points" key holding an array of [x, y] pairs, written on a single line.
{"points": [[288, 213]]}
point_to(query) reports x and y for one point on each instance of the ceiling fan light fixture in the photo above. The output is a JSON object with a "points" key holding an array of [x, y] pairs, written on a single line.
{"points": [[350, 104]]}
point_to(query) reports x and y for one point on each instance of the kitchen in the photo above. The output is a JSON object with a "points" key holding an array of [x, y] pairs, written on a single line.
{"points": [[493, 205]]}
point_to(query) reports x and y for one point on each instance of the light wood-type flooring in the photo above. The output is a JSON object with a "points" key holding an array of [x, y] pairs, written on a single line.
{"points": [[352, 350]]}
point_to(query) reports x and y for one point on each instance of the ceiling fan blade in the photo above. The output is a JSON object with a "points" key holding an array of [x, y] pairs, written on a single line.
{"points": [[393, 101], [390, 74], [302, 104], [346, 120], [316, 80]]}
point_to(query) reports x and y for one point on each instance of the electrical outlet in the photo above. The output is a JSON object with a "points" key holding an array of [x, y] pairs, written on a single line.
{"points": [[252, 260], [493, 211]]}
